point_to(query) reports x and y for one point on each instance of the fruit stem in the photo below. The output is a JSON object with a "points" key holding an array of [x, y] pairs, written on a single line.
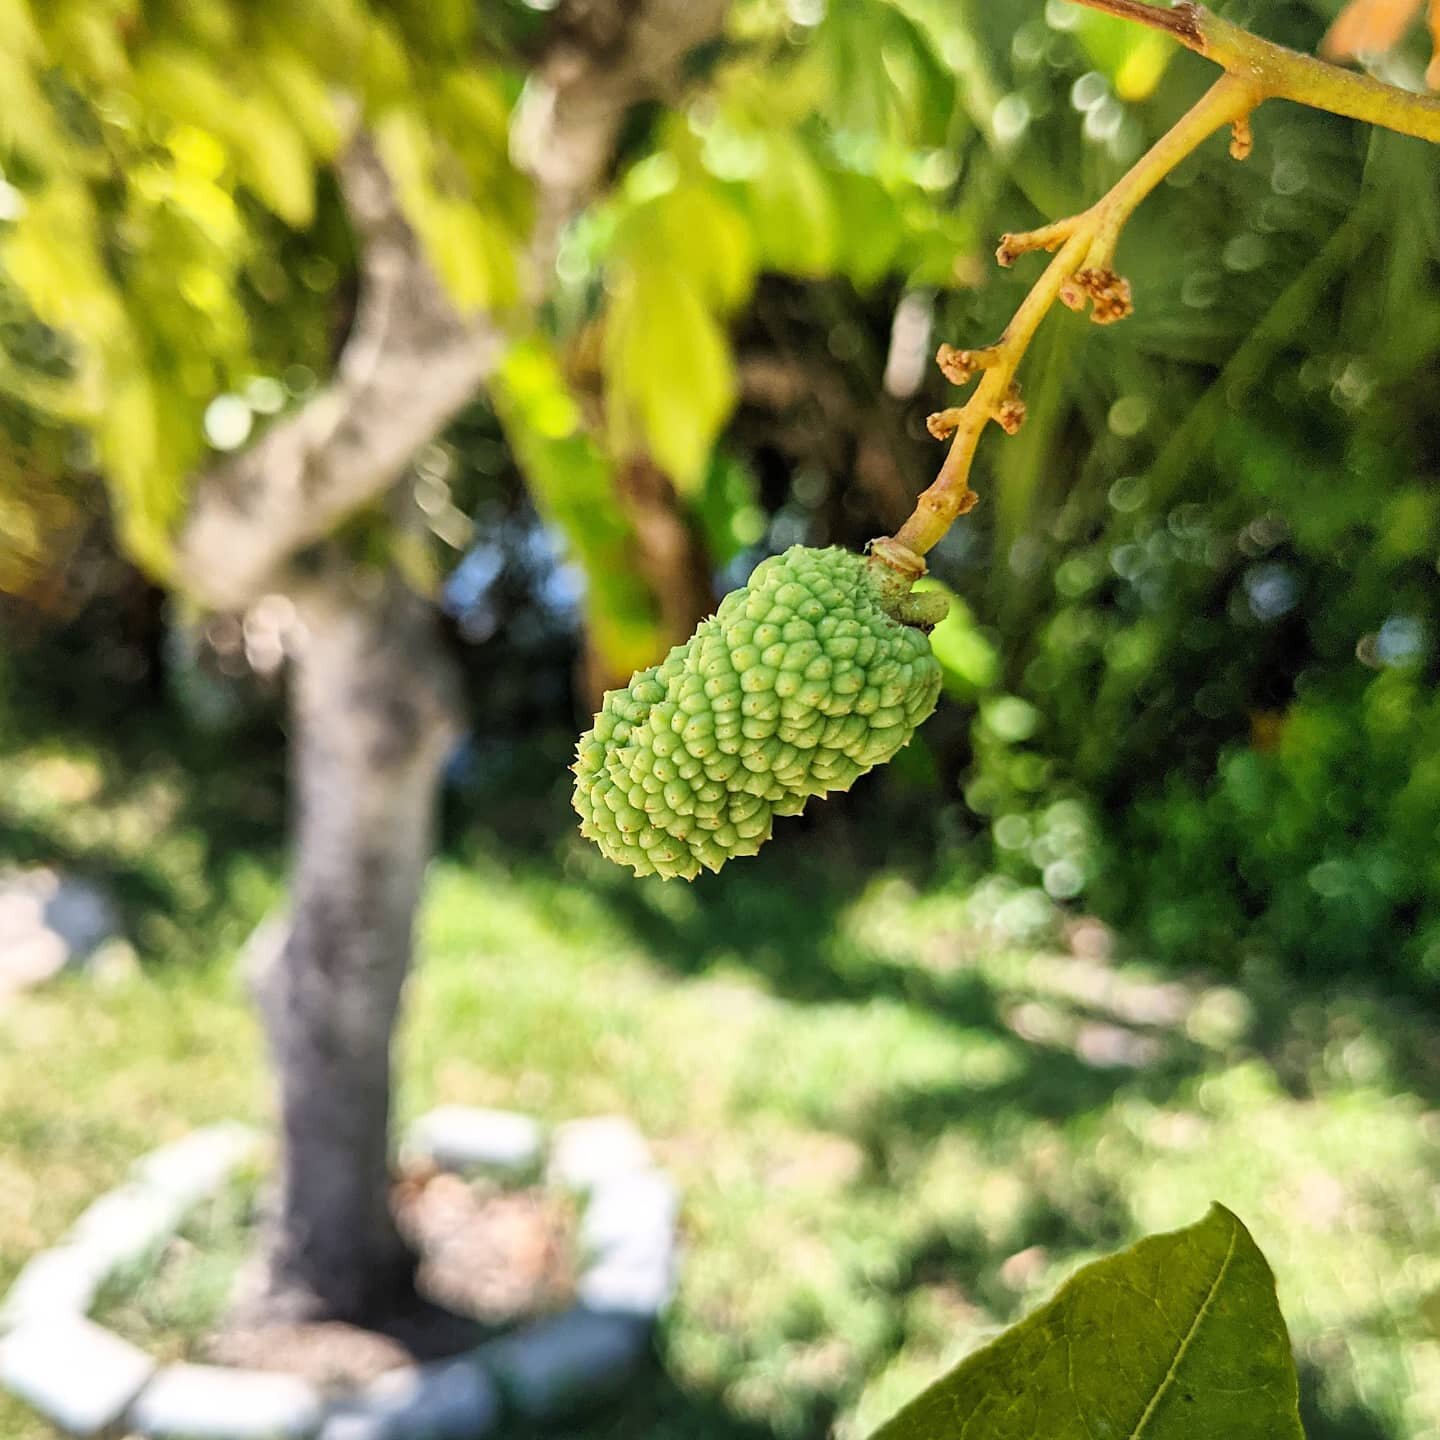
{"points": [[1256, 70]]}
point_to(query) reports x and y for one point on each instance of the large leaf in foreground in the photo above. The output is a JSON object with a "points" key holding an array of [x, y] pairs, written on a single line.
{"points": [[1178, 1338]]}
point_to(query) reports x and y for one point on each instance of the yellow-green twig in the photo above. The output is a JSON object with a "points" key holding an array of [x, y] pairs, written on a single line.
{"points": [[1255, 70]]}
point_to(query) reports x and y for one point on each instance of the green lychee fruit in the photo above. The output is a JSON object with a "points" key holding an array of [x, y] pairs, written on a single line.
{"points": [[800, 682]]}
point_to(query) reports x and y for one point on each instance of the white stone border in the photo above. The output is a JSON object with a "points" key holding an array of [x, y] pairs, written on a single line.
{"points": [[90, 1382]]}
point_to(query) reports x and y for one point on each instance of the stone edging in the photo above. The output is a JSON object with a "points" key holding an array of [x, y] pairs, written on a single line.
{"points": [[89, 1381]]}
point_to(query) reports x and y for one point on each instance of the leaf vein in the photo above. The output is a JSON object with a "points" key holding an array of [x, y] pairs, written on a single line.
{"points": [[1184, 1344]]}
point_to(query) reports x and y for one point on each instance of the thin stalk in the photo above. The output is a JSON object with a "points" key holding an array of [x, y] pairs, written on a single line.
{"points": [[1255, 70], [1228, 100]]}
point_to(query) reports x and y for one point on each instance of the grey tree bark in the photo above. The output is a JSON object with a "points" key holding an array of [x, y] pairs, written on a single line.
{"points": [[371, 689], [374, 712]]}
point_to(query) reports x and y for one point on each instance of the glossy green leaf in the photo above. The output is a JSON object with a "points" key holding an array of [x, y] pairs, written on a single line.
{"points": [[1178, 1338]]}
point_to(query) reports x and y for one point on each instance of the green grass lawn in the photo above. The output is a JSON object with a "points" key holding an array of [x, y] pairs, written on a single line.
{"points": [[900, 1116]]}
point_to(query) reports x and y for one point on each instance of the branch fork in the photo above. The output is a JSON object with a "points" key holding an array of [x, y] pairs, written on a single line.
{"points": [[1083, 246]]}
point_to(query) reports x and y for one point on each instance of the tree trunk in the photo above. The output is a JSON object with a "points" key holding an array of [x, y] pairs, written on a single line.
{"points": [[373, 716]]}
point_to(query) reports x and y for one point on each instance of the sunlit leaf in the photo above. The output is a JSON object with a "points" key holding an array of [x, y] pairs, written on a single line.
{"points": [[696, 231], [670, 370], [573, 486], [274, 161], [329, 34], [302, 91], [385, 68], [1177, 1338], [1131, 57], [791, 208], [147, 492], [27, 123], [184, 85], [89, 34], [474, 255]]}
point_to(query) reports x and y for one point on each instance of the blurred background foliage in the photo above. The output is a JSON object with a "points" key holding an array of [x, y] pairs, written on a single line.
{"points": [[1194, 665], [1190, 668]]}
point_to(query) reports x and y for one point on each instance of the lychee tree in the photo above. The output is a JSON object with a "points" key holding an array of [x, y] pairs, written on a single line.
{"points": [[205, 208], [271, 250], [255, 257]]}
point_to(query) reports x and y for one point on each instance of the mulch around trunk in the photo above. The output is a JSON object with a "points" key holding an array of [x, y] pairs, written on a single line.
{"points": [[489, 1258]]}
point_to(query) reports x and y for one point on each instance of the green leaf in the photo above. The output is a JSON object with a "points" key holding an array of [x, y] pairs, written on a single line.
{"points": [[728, 508], [474, 255], [303, 93], [792, 209], [1133, 59], [146, 490], [670, 369], [268, 145], [185, 86], [273, 159], [872, 234], [88, 37], [27, 122], [698, 232], [846, 47], [1178, 1338], [573, 484]]}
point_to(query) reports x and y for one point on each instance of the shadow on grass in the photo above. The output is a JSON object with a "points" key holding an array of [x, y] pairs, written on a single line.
{"points": [[784, 926], [1352, 1421], [158, 814], [785, 921]]}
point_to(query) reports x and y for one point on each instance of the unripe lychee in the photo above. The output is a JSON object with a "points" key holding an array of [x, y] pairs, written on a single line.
{"points": [[799, 683]]}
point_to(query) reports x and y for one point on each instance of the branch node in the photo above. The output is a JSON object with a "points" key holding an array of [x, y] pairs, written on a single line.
{"points": [[897, 557], [959, 366], [1047, 237], [944, 423], [1242, 138], [1109, 293], [1081, 274], [1010, 412]]}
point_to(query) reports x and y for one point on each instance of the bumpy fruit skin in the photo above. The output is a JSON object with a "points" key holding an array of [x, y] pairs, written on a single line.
{"points": [[797, 685]]}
